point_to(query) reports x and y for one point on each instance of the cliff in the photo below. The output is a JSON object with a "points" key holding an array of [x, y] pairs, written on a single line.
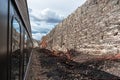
{"points": [[94, 28]]}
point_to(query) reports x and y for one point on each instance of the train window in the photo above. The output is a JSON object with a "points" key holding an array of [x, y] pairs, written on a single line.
{"points": [[15, 56], [27, 47], [29, 44], [15, 35], [27, 50]]}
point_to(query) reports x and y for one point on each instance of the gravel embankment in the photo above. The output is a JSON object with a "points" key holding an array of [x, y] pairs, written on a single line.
{"points": [[46, 66]]}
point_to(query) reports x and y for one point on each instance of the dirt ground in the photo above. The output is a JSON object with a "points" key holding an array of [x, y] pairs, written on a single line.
{"points": [[46, 66]]}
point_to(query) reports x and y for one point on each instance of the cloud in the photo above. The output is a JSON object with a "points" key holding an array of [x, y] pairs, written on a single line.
{"points": [[37, 36], [43, 21], [30, 10], [41, 27], [47, 15], [64, 7], [40, 30]]}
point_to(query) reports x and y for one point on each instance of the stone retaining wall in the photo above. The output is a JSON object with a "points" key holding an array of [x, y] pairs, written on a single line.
{"points": [[93, 28]]}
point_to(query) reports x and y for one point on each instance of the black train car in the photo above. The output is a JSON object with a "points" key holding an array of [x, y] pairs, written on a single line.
{"points": [[15, 40]]}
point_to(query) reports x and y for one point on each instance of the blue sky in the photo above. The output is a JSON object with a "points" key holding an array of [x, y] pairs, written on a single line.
{"points": [[45, 14]]}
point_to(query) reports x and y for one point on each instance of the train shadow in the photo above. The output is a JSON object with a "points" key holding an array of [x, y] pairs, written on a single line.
{"points": [[58, 68]]}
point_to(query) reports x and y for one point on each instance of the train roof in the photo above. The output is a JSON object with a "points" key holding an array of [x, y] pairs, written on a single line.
{"points": [[24, 14]]}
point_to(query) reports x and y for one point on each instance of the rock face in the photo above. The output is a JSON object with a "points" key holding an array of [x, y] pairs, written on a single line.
{"points": [[94, 28], [35, 43]]}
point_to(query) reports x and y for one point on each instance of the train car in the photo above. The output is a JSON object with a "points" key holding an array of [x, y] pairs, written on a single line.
{"points": [[15, 40]]}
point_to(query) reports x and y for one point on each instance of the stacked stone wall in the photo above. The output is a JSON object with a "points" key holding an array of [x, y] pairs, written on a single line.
{"points": [[93, 28]]}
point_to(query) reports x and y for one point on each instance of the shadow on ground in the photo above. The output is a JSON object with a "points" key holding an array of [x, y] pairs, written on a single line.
{"points": [[58, 68]]}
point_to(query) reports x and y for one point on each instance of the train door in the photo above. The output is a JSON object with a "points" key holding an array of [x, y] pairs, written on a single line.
{"points": [[3, 38], [15, 44], [16, 50]]}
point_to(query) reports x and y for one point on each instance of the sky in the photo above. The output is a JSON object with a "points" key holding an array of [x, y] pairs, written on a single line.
{"points": [[45, 14]]}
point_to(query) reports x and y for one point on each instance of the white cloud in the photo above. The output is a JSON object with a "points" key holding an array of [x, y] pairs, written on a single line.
{"points": [[37, 36], [45, 14], [43, 21], [62, 6]]}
